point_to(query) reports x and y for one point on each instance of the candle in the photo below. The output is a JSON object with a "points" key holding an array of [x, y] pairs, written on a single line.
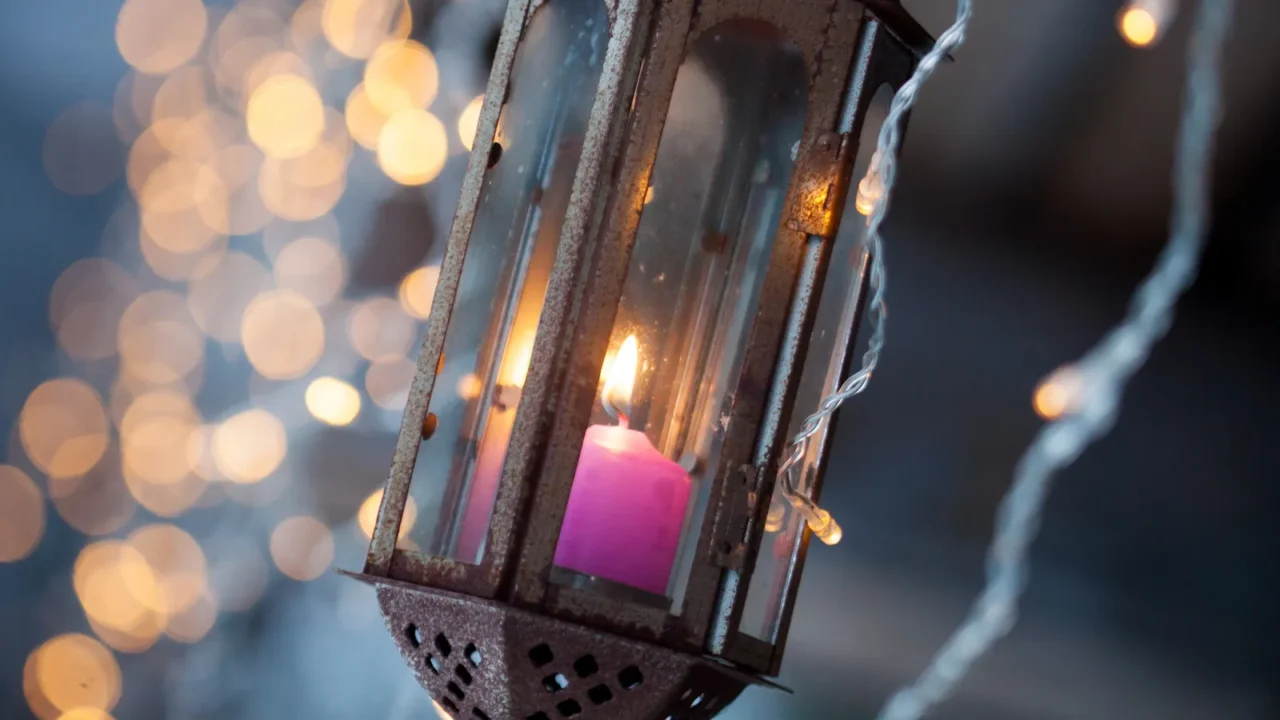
{"points": [[627, 506]]}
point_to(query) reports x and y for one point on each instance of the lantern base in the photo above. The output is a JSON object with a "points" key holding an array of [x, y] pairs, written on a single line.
{"points": [[482, 660]]}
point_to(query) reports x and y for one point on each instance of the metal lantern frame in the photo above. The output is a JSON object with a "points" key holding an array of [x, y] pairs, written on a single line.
{"points": [[850, 49]]}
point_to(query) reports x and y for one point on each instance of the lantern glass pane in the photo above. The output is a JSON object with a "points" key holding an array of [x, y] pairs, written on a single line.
{"points": [[824, 368], [504, 277], [704, 242]]}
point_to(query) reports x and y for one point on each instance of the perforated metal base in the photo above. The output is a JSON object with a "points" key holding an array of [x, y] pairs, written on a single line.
{"points": [[482, 660]]}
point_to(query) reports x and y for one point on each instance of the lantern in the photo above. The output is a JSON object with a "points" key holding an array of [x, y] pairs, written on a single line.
{"points": [[576, 522]]}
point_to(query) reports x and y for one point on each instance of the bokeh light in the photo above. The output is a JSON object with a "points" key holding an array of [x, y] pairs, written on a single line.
{"points": [[380, 329], [285, 116], [158, 340], [217, 301], [249, 446], [401, 75], [333, 401], [417, 291], [412, 147], [183, 203], [192, 624], [283, 334], [156, 36], [388, 381], [21, 514], [120, 594], [302, 547], [63, 427], [313, 268], [367, 517], [178, 266], [72, 671], [469, 120], [86, 305], [357, 27], [1138, 26], [1058, 394], [154, 434], [82, 154], [177, 569], [364, 119], [98, 502], [238, 166]]}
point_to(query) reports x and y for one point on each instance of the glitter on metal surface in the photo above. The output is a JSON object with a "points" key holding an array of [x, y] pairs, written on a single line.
{"points": [[508, 664]]}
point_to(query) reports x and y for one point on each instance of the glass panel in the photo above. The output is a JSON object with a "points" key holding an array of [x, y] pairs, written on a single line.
{"points": [[504, 279], [704, 242], [821, 374]]}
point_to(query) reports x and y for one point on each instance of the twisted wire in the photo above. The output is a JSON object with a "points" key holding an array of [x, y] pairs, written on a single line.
{"points": [[1104, 372], [885, 166]]}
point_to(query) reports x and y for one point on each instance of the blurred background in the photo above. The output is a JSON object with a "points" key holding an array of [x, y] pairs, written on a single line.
{"points": [[214, 283]]}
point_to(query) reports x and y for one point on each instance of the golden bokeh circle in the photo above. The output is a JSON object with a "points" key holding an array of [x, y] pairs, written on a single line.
{"points": [[367, 516], [469, 121], [364, 119], [380, 329], [333, 401], [401, 75], [86, 304], [285, 116], [177, 576], [388, 382], [418, 289], [312, 267], [217, 301], [283, 334], [249, 446], [74, 671], [413, 147], [157, 36], [356, 28], [302, 547], [98, 502], [63, 427]]}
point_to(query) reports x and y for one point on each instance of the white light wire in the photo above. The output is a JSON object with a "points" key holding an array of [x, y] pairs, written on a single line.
{"points": [[1103, 372], [885, 166]]}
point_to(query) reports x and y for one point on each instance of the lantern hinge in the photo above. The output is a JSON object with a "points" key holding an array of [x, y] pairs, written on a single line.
{"points": [[737, 507], [823, 169]]}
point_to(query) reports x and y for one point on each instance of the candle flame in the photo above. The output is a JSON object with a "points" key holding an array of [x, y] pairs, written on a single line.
{"points": [[620, 378]]}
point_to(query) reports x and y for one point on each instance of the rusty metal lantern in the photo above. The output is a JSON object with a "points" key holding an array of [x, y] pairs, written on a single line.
{"points": [[626, 327]]}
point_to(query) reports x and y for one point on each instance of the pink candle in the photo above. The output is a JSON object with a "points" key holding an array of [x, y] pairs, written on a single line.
{"points": [[626, 510]]}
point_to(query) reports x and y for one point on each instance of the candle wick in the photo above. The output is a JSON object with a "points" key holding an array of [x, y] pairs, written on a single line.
{"points": [[623, 421]]}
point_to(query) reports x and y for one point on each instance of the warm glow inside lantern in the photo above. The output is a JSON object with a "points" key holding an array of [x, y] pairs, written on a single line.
{"points": [[646, 288]]}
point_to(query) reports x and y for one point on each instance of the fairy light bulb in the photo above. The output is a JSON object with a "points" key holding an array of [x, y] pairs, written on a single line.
{"points": [[1143, 22], [870, 188], [825, 527], [1059, 393]]}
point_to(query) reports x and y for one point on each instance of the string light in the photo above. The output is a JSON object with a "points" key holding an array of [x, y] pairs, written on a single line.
{"points": [[884, 167], [1101, 376]]}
